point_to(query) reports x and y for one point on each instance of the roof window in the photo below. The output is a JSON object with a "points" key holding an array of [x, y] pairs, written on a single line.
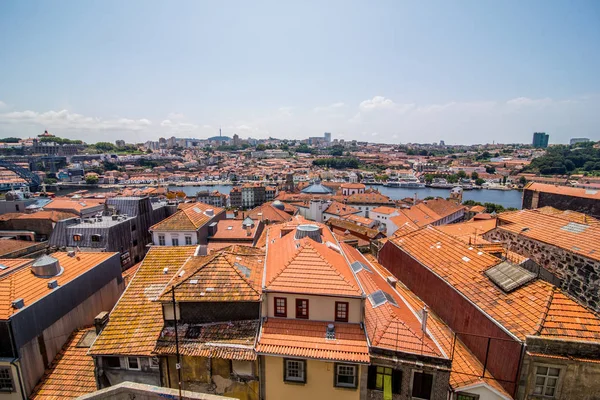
{"points": [[508, 276]]}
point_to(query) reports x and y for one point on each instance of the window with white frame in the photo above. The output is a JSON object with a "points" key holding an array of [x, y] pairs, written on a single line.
{"points": [[154, 362], [188, 240], [546, 380], [161, 240], [346, 375], [294, 370], [174, 241], [421, 385], [133, 363], [6, 382]]}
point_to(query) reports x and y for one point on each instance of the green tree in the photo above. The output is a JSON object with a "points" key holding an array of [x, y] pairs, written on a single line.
{"points": [[479, 181], [10, 140], [261, 147], [523, 180], [490, 169], [474, 175], [91, 179], [462, 174], [105, 146]]}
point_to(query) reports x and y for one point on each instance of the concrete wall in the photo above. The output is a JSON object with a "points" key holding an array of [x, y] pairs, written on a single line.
{"points": [[319, 382], [580, 276], [320, 308], [111, 377]]}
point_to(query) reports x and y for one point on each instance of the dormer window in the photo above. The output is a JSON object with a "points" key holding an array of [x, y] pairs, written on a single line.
{"points": [[77, 237], [280, 307], [96, 238]]}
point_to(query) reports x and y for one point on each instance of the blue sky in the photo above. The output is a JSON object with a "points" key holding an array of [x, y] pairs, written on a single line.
{"points": [[383, 71]]}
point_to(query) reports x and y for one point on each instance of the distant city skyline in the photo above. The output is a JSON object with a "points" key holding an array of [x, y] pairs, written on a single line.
{"points": [[466, 73]]}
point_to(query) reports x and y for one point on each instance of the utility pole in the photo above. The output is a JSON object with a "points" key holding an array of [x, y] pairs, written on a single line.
{"points": [[178, 364]]}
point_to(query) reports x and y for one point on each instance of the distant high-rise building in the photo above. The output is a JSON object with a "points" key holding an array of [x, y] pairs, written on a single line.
{"points": [[540, 140], [327, 136], [236, 140], [578, 140], [442, 143]]}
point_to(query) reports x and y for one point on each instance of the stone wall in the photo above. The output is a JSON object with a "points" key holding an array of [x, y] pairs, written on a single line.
{"points": [[533, 199], [580, 276]]}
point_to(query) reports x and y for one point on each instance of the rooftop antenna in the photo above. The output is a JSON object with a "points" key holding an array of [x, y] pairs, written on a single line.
{"points": [[219, 131]]}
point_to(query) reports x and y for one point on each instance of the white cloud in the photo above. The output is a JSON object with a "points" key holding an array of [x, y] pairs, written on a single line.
{"points": [[330, 107], [527, 102], [286, 111], [377, 102], [64, 119], [175, 116], [2, 104]]}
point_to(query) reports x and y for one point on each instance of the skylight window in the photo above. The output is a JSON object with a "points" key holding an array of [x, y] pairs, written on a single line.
{"points": [[197, 210], [358, 266], [509, 276], [380, 297], [574, 227]]}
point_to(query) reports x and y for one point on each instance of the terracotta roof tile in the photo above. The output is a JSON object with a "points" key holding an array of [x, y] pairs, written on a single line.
{"points": [[71, 373], [306, 339], [137, 320], [564, 190], [533, 309], [23, 284], [189, 217]]}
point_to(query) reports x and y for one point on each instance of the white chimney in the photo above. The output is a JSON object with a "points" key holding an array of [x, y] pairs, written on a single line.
{"points": [[424, 319]]}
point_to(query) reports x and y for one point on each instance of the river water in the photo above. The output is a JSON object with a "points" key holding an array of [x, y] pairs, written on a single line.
{"points": [[506, 198]]}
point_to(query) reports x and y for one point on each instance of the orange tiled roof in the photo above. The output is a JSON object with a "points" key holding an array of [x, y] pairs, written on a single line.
{"points": [[384, 210], [345, 225], [9, 265], [23, 284], [268, 212], [391, 327], [189, 217], [419, 215], [71, 373], [443, 207], [233, 274], [306, 339], [340, 209], [11, 245], [306, 266], [469, 232], [554, 230], [536, 308], [568, 215], [564, 190], [466, 368], [358, 219], [369, 198], [137, 320], [231, 229], [352, 186], [78, 205]]}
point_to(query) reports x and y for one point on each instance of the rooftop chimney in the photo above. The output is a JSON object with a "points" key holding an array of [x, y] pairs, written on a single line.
{"points": [[100, 321], [330, 333], [424, 319]]}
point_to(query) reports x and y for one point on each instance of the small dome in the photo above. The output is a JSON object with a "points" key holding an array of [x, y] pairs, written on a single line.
{"points": [[278, 205], [317, 188]]}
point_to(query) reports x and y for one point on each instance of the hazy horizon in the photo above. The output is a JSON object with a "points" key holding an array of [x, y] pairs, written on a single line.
{"points": [[466, 72]]}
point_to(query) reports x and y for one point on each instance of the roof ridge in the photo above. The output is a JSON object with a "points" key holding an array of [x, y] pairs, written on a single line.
{"points": [[540, 326], [241, 275], [332, 267]]}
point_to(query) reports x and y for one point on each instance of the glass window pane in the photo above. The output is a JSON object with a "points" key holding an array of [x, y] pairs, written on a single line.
{"points": [[551, 382], [538, 390], [542, 370], [549, 391], [553, 371], [540, 380]]}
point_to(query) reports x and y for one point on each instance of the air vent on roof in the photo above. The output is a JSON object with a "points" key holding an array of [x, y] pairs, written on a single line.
{"points": [[574, 227], [46, 267], [3, 267], [380, 297], [53, 284], [330, 332], [466, 259], [193, 281], [358, 266], [165, 270], [210, 212], [509, 276], [392, 281], [308, 230], [333, 246], [245, 270], [18, 303]]}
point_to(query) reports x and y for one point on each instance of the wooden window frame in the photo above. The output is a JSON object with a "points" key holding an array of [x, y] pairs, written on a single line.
{"points": [[7, 380], [298, 307], [338, 319], [285, 377], [139, 364], [336, 373], [284, 314], [412, 383]]}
